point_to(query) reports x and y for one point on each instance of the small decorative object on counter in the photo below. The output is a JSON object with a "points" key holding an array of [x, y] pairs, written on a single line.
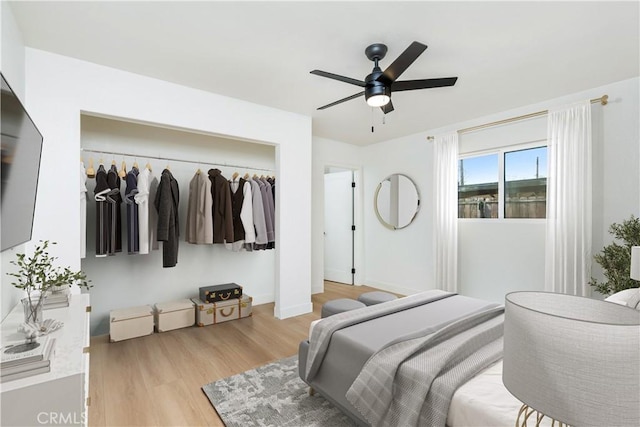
{"points": [[174, 315], [38, 277], [223, 292], [130, 322]]}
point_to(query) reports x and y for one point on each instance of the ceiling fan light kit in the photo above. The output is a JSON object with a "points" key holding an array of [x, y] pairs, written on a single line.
{"points": [[379, 85]]}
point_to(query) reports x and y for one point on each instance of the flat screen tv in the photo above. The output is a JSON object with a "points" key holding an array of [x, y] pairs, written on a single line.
{"points": [[21, 148]]}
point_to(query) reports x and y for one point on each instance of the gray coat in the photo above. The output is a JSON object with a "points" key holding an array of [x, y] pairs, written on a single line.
{"points": [[166, 203]]}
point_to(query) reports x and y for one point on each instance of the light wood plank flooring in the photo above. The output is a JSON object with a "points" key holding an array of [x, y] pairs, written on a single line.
{"points": [[156, 380]]}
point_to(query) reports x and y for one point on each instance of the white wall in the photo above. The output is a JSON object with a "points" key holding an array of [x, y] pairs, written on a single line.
{"points": [[145, 281], [12, 66], [399, 260], [60, 89], [326, 153], [500, 256]]}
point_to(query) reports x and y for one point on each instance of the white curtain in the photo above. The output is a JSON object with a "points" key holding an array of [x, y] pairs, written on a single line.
{"points": [[446, 211], [568, 241]]}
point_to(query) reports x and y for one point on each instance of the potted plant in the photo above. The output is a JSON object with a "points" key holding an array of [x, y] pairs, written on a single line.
{"points": [[615, 258], [38, 276]]}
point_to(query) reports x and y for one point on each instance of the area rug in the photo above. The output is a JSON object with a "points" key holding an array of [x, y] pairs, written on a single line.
{"points": [[272, 395]]}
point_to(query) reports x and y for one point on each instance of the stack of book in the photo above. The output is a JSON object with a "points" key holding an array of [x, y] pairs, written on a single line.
{"points": [[33, 361], [56, 300]]}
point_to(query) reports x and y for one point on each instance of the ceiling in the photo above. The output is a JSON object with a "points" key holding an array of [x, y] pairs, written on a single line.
{"points": [[506, 54]]}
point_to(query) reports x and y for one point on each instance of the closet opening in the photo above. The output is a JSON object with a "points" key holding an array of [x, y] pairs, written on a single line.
{"points": [[128, 279]]}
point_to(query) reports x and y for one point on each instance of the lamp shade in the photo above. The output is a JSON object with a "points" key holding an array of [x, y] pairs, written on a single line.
{"points": [[574, 359], [635, 262]]}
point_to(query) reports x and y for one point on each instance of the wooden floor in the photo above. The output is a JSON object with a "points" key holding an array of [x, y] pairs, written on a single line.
{"points": [[156, 380]]}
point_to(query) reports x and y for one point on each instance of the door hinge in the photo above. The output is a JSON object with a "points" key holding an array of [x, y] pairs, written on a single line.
{"points": [[353, 228], [353, 185], [353, 271]]}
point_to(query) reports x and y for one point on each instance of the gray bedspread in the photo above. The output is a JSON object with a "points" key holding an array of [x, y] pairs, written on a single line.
{"points": [[402, 361], [411, 382], [321, 334]]}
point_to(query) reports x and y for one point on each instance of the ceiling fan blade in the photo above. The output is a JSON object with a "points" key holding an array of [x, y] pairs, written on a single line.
{"points": [[387, 108], [340, 101], [338, 77], [401, 63], [423, 84]]}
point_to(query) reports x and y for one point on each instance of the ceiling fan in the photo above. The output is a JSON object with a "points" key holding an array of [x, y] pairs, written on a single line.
{"points": [[379, 85]]}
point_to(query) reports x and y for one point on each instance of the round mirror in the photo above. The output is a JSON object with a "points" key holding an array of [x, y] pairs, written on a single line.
{"points": [[397, 201]]}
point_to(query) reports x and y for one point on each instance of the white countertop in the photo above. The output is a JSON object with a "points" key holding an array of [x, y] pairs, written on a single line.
{"points": [[69, 358]]}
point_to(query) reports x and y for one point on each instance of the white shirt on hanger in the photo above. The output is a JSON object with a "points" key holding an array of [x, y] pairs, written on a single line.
{"points": [[142, 200]]}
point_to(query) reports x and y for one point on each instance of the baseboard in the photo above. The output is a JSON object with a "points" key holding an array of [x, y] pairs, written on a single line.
{"points": [[293, 311], [263, 299], [390, 287], [337, 276]]}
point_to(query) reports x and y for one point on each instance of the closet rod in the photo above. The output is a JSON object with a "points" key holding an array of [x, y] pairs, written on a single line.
{"points": [[115, 153], [604, 100]]}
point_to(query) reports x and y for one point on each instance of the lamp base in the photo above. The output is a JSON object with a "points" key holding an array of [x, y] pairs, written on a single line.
{"points": [[525, 413]]}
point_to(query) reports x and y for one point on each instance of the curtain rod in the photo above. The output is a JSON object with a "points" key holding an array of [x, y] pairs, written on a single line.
{"points": [[226, 165], [604, 100]]}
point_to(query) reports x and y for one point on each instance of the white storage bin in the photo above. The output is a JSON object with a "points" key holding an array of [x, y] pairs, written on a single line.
{"points": [[174, 315], [130, 322]]}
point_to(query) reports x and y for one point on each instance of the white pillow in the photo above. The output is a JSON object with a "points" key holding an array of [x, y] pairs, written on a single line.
{"points": [[634, 301], [629, 297]]}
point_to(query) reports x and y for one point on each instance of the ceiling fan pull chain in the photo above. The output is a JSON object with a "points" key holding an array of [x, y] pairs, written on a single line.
{"points": [[372, 119]]}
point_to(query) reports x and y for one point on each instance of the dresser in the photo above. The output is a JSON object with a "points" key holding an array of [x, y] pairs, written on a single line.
{"points": [[59, 397]]}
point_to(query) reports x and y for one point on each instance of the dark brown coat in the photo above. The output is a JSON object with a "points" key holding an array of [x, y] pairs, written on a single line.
{"points": [[166, 203], [221, 207]]}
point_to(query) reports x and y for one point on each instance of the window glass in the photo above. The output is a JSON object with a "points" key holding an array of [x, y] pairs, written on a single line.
{"points": [[525, 183], [478, 187]]}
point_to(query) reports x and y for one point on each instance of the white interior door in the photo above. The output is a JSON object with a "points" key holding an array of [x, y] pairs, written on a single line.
{"points": [[338, 219]]}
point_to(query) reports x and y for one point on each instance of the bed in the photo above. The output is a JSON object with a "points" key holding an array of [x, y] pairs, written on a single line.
{"points": [[479, 400]]}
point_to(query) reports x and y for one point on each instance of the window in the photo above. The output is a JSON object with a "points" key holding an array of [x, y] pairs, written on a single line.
{"points": [[478, 187], [525, 183], [504, 184]]}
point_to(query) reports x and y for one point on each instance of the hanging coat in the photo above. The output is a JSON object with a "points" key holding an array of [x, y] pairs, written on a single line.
{"points": [[221, 207], [166, 203], [236, 189], [242, 206], [199, 216], [204, 219], [115, 203], [267, 201], [103, 223], [192, 211], [259, 224], [133, 234], [153, 213]]}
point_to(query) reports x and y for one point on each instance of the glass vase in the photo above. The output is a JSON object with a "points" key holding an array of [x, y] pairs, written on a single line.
{"points": [[32, 311]]}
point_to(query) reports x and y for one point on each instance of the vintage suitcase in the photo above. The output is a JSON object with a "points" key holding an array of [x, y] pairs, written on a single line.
{"points": [[174, 315], [233, 309], [223, 292], [205, 312], [130, 322]]}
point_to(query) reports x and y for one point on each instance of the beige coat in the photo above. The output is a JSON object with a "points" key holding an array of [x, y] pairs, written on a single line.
{"points": [[199, 216]]}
